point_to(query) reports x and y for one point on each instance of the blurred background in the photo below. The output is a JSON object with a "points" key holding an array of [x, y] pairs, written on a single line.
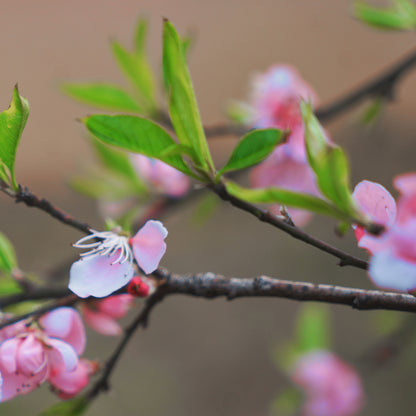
{"points": [[205, 357]]}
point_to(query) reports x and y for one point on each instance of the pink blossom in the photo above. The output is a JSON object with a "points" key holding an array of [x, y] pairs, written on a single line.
{"points": [[141, 287], [275, 99], [164, 178], [108, 266], [393, 260], [275, 103], [332, 387], [102, 315], [68, 384], [31, 356]]}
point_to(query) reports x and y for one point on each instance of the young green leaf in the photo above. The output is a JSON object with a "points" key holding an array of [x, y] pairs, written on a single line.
{"points": [[137, 135], [313, 329], [8, 259], [73, 407], [254, 147], [287, 403], [12, 123], [102, 96], [401, 16], [285, 197], [183, 107], [118, 162], [329, 164], [137, 69]]}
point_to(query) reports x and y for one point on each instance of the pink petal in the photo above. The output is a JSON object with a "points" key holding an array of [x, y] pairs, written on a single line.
{"points": [[30, 357], [8, 352], [116, 306], [101, 322], [406, 183], [70, 383], [66, 323], [15, 384], [148, 245], [281, 170], [61, 355], [375, 201], [96, 276], [392, 272]]}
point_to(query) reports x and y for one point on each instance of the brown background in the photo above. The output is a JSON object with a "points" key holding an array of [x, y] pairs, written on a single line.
{"points": [[203, 357]]}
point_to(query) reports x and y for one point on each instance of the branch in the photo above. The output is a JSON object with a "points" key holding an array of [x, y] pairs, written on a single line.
{"points": [[36, 313], [382, 85], [31, 200], [265, 216], [210, 285], [102, 384]]}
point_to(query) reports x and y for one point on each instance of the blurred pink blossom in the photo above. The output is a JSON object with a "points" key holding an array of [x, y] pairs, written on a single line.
{"points": [[102, 315], [393, 260], [108, 265], [332, 387], [275, 102], [30, 357], [164, 178]]}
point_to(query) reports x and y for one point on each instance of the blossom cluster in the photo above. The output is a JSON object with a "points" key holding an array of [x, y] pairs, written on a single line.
{"points": [[45, 350], [393, 253], [274, 102], [332, 387]]}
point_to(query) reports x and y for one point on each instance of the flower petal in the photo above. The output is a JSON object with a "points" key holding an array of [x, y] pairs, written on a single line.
{"points": [[70, 383], [391, 272], [406, 183], [30, 357], [148, 245], [65, 323], [376, 201], [97, 276], [15, 384], [116, 306], [61, 355], [100, 322], [8, 352]]}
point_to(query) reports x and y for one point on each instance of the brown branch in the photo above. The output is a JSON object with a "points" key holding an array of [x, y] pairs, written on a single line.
{"points": [[102, 384], [64, 301], [210, 285], [265, 216], [382, 85], [31, 200]]}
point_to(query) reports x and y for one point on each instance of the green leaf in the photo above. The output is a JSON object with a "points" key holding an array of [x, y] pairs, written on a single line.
{"points": [[137, 69], [204, 209], [12, 123], [102, 96], [8, 259], [285, 197], [313, 329], [137, 135], [253, 147], [9, 286], [73, 407], [373, 111], [183, 107], [329, 164], [118, 162], [401, 16], [287, 403], [239, 112]]}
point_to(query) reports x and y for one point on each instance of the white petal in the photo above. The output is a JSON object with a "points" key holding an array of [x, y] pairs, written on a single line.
{"points": [[391, 272], [96, 276]]}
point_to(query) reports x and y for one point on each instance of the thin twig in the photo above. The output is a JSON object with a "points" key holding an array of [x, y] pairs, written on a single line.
{"points": [[265, 216], [102, 384], [382, 85], [31, 200], [65, 301]]}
